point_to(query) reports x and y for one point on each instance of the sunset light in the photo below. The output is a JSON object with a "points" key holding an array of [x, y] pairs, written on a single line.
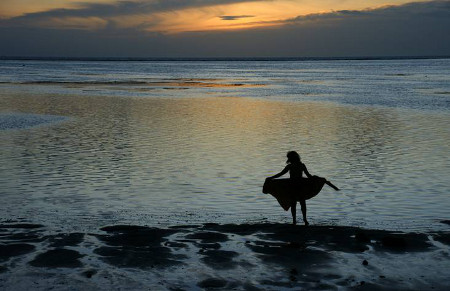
{"points": [[224, 145], [170, 16]]}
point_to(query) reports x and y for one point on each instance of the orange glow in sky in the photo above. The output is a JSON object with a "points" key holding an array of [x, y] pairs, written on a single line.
{"points": [[158, 16]]}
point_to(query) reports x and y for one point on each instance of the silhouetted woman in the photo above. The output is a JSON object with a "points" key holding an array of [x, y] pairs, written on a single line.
{"points": [[296, 168]]}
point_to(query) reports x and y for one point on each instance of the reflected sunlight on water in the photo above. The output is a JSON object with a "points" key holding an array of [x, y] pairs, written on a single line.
{"points": [[175, 161]]}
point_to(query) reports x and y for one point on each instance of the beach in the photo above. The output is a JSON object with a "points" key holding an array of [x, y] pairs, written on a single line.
{"points": [[264, 256], [148, 175]]}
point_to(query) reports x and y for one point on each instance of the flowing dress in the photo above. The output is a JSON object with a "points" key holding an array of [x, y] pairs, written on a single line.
{"points": [[289, 191]]}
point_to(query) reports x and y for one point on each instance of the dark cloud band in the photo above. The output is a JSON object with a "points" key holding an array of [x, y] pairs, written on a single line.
{"points": [[234, 17], [122, 8]]}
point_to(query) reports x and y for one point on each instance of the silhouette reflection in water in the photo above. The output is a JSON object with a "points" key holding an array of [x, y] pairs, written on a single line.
{"points": [[295, 189]]}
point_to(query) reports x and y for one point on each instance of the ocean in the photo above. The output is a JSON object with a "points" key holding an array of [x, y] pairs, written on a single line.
{"points": [[89, 143]]}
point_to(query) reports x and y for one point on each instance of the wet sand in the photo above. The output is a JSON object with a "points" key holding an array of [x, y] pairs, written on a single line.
{"points": [[265, 256], [149, 83]]}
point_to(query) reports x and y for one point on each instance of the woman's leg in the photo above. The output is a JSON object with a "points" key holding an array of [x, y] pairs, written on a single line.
{"points": [[294, 212], [303, 204]]}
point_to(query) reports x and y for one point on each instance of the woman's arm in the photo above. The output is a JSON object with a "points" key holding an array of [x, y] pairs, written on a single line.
{"points": [[285, 170], [306, 171]]}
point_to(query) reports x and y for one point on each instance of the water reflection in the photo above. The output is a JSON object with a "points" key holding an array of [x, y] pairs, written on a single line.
{"points": [[138, 158]]}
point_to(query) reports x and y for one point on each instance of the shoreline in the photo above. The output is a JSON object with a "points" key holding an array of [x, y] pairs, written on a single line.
{"points": [[260, 256]]}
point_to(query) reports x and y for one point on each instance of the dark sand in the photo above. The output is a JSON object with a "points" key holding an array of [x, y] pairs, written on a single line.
{"points": [[242, 257], [170, 83]]}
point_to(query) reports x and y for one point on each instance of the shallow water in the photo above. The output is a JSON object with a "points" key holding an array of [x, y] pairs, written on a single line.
{"points": [[146, 154]]}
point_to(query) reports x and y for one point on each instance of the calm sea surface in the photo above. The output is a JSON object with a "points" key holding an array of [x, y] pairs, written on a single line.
{"points": [[86, 144]]}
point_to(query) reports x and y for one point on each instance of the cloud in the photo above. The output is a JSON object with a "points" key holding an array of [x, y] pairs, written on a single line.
{"points": [[121, 8], [234, 17], [432, 9], [412, 29]]}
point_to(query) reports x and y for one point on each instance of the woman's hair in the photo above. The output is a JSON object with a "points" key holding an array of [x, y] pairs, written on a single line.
{"points": [[293, 157]]}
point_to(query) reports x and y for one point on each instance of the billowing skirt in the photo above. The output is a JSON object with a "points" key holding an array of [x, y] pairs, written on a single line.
{"points": [[289, 191]]}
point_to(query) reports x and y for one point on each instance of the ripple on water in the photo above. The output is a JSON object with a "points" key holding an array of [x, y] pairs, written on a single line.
{"points": [[150, 160]]}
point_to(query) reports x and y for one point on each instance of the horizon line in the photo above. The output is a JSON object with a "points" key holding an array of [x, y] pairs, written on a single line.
{"points": [[319, 58]]}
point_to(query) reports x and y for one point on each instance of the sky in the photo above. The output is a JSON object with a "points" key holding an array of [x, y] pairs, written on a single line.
{"points": [[224, 28]]}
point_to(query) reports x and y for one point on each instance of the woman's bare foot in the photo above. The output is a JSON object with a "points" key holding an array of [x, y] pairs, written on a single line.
{"points": [[306, 223]]}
